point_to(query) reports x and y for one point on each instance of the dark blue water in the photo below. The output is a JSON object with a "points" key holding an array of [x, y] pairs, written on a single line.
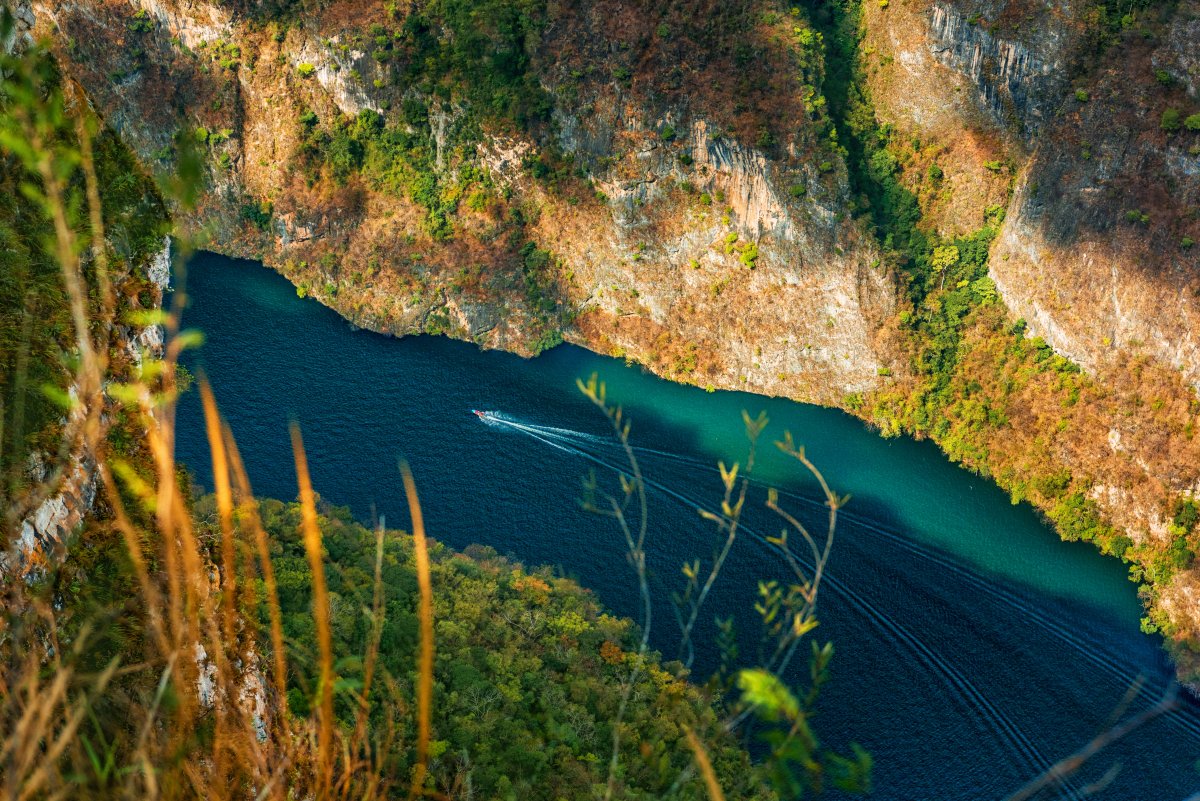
{"points": [[973, 648]]}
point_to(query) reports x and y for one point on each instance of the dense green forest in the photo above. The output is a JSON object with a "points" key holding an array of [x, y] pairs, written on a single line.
{"points": [[528, 673]]}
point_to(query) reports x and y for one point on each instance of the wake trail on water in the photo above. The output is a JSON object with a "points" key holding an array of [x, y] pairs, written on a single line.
{"points": [[568, 441], [1120, 672], [509, 420], [872, 527]]}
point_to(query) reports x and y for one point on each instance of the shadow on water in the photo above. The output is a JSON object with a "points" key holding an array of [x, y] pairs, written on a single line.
{"points": [[973, 647]]}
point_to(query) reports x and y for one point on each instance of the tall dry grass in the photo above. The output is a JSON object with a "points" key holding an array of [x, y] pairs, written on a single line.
{"points": [[206, 715], [203, 652]]}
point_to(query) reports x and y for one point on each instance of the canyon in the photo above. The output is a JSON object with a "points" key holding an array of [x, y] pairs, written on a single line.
{"points": [[689, 187]]}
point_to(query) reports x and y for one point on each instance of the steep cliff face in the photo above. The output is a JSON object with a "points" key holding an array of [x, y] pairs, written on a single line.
{"points": [[1095, 254], [672, 240], [1018, 84], [698, 188], [64, 494], [50, 481], [1095, 251]]}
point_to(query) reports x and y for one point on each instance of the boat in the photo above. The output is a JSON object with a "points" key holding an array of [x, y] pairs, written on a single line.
{"points": [[482, 415]]}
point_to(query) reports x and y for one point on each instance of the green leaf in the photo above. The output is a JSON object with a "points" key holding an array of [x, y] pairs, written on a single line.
{"points": [[770, 698], [191, 338], [59, 397]]}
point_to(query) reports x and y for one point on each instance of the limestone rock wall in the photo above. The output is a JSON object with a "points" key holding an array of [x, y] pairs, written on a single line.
{"points": [[804, 322], [1018, 84]]}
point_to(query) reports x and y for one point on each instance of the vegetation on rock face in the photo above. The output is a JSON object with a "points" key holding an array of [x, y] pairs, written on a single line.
{"points": [[466, 68], [991, 396], [36, 329]]}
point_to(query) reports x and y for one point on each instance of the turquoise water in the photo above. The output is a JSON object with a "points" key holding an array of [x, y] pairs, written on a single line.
{"points": [[973, 647]]}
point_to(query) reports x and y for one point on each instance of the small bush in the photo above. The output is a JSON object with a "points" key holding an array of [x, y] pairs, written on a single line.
{"points": [[1192, 123], [1186, 514], [882, 165], [477, 200], [258, 214], [944, 257], [1171, 120], [749, 255], [668, 133], [141, 22], [1082, 96], [305, 70]]}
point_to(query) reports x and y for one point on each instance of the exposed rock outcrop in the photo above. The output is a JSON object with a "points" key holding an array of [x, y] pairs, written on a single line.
{"points": [[23, 22], [1019, 86], [48, 525], [801, 316]]}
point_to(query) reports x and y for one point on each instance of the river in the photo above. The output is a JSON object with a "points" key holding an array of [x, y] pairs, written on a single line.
{"points": [[973, 648]]}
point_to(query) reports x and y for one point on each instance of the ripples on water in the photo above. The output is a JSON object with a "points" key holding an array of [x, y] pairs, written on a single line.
{"points": [[973, 648]]}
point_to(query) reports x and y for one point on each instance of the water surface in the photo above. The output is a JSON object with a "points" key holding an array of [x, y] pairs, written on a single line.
{"points": [[973, 648]]}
